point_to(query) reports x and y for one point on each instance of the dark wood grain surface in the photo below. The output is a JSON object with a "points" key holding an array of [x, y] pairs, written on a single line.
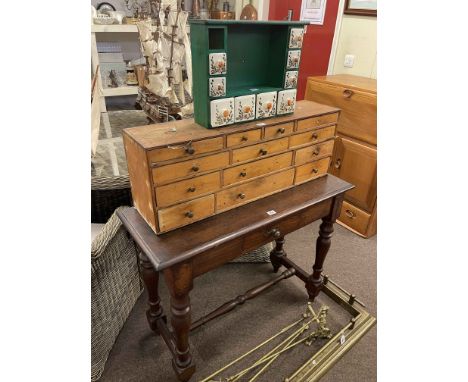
{"points": [[185, 243]]}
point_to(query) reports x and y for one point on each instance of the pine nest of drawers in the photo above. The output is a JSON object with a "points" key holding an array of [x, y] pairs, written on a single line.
{"points": [[177, 184]]}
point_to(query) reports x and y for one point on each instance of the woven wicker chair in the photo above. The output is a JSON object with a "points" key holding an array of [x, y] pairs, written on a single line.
{"points": [[115, 287]]}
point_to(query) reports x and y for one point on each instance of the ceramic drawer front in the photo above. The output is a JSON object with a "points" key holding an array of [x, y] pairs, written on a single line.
{"points": [[311, 170], [187, 189], [310, 123], [253, 190], [243, 138], [296, 36], [313, 136], [222, 112], [185, 213], [259, 150], [180, 151], [164, 174], [244, 107], [217, 86], [266, 105], [290, 79], [217, 63], [286, 101], [314, 152], [253, 169], [354, 217], [278, 131], [294, 57]]}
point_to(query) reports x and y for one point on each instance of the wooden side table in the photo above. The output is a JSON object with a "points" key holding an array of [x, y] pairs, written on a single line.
{"points": [[191, 251]]}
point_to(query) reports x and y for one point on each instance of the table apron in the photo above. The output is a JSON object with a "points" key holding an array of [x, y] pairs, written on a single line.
{"points": [[228, 251]]}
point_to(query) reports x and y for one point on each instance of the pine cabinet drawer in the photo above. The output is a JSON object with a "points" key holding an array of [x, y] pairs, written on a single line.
{"points": [[253, 190], [178, 170], [185, 213], [278, 131], [245, 137], [311, 153], [253, 169], [354, 218], [313, 136], [182, 151], [259, 150], [312, 170], [187, 189], [309, 123]]}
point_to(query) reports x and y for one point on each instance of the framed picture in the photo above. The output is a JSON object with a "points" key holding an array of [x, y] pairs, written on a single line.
{"points": [[361, 7]]}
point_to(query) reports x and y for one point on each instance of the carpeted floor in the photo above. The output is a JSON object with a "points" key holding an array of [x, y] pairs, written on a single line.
{"points": [[140, 355]]}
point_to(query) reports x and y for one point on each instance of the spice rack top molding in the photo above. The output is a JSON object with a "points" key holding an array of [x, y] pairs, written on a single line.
{"points": [[181, 132], [244, 70]]}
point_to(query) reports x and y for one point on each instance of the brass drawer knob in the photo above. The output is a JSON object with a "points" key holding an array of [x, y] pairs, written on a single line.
{"points": [[347, 93], [243, 174], [263, 152], [241, 196], [316, 151], [350, 214], [191, 189], [244, 138], [190, 150], [281, 130], [195, 168], [189, 214], [314, 136], [275, 232], [338, 163], [315, 170]]}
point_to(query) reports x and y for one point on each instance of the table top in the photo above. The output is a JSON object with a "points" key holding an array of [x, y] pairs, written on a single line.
{"points": [[185, 243]]}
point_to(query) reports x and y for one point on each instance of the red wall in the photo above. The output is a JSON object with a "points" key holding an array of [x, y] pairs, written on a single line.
{"points": [[318, 40]]}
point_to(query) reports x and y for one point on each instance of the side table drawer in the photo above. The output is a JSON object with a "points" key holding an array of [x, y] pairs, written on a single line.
{"points": [[187, 189], [257, 151], [311, 153], [311, 170], [190, 167], [253, 190], [186, 213], [278, 131], [309, 123], [313, 136], [244, 137], [253, 169], [180, 151], [354, 217]]}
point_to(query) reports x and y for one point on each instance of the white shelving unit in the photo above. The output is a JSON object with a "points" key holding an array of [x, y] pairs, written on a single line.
{"points": [[109, 92]]}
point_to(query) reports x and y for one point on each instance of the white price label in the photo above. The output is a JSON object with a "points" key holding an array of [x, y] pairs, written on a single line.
{"points": [[271, 212], [261, 124], [342, 339]]}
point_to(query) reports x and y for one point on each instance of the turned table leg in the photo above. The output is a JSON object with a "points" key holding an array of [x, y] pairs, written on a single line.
{"points": [[179, 282], [315, 280], [151, 280], [277, 253]]}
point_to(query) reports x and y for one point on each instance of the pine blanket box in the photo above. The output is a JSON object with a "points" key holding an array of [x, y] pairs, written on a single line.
{"points": [[181, 172]]}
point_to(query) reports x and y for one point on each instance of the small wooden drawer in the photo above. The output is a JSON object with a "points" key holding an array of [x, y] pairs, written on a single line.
{"points": [[257, 151], [185, 213], [183, 151], [313, 136], [243, 138], [354, 217], [311, 153], [309, 123], [311, 170], [253, 190], [253, 169], [187, 189], [278, 131], [183, 169]]}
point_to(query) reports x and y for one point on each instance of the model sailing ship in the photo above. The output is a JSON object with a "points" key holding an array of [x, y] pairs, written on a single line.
{"points": [[165, 44]]}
